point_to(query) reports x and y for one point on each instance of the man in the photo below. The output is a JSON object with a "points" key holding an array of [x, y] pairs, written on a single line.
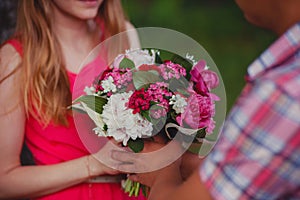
{"points": [[258, 154]]}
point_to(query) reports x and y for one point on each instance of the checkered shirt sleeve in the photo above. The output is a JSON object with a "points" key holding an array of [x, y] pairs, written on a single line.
{"points": [[258, 154]]}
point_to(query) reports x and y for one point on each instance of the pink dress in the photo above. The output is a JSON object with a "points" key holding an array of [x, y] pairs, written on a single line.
{"points": [[55, 144]]}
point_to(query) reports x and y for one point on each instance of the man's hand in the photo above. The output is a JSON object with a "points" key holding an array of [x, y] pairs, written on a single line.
{"points": [[189, 163], [151, 162]]}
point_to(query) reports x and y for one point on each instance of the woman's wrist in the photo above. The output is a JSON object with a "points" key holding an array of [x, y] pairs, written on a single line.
{"points": [[93, 167], [88, 168]]}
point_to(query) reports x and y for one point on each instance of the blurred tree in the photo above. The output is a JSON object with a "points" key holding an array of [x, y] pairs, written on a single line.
{"points": [[218, 25], [8, 13]]}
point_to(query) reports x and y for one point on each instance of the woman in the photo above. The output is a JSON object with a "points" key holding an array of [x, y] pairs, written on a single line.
{"points": [[37, 72]]}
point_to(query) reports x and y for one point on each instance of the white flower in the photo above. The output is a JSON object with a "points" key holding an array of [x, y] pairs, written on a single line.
{"points": [[100, 132], [121, 123], [108, 85], [89, 90], [179, 103], [191, 58], [138, 56], [96, 117]]}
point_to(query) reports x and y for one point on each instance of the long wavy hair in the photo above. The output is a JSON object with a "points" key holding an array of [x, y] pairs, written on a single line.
{"points": [[46, 86]]}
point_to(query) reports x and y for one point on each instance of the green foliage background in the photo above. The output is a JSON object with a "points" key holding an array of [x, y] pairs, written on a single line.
{"points": [[218, 25]]}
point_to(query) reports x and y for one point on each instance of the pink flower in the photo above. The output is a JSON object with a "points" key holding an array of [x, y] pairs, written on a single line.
{"points": [[130, 87], [121, 77], [198, 113], [158, 112], [139, 101], [210, 78], [97, 81], [171, 70], [158, 93], [204, 79], [211, 126]]}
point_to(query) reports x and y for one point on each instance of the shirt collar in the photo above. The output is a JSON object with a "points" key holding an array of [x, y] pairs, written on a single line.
{"points": [[281, 50]]}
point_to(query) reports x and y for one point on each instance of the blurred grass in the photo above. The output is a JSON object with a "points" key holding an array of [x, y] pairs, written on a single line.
{"points": [[218, 25]]}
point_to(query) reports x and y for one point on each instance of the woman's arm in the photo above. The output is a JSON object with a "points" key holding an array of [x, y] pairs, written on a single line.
{"points": [[30, 181]]}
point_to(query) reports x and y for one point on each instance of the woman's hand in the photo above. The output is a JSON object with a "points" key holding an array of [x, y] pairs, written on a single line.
{"points": [[153, 162], [97, 168], [101, 163]]}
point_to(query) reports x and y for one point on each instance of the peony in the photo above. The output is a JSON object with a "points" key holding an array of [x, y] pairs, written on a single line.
{"points": [[203, 78], [210, 78], [198, 112], [139, 57], [121, 123]]}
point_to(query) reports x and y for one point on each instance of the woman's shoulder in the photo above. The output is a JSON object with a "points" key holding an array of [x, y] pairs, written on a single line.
{"points": [[16, 44], [10, 59], [11, 48]]}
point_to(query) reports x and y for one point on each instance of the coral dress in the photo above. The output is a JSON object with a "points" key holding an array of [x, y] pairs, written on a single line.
{"points": [[55, 144]]}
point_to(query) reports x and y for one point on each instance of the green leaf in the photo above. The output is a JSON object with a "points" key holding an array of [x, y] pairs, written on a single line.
{"points": [[145, 190], [128, 185], [105, 128], [158, 122], [201, 133], [154, 72], [146, 115], [141, 78], [136, 145], [178, 84], [126, 63], [95, 103], [137, 189], [184, 92], [182, 61], [77, 108], [158, 59]]}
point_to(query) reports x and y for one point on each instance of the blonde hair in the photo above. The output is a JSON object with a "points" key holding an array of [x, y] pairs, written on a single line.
{"points": [[46, 85]]}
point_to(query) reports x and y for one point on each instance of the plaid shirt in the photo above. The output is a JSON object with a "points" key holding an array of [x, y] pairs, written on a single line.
{"points": [[258, 153]]}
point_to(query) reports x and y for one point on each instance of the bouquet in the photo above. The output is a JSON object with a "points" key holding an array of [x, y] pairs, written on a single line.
{"points": [[141, 95]]}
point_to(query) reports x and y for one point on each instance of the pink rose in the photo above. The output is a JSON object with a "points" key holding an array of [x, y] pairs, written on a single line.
{"points": [[210, 78], [204, 79], [198, 113]]}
